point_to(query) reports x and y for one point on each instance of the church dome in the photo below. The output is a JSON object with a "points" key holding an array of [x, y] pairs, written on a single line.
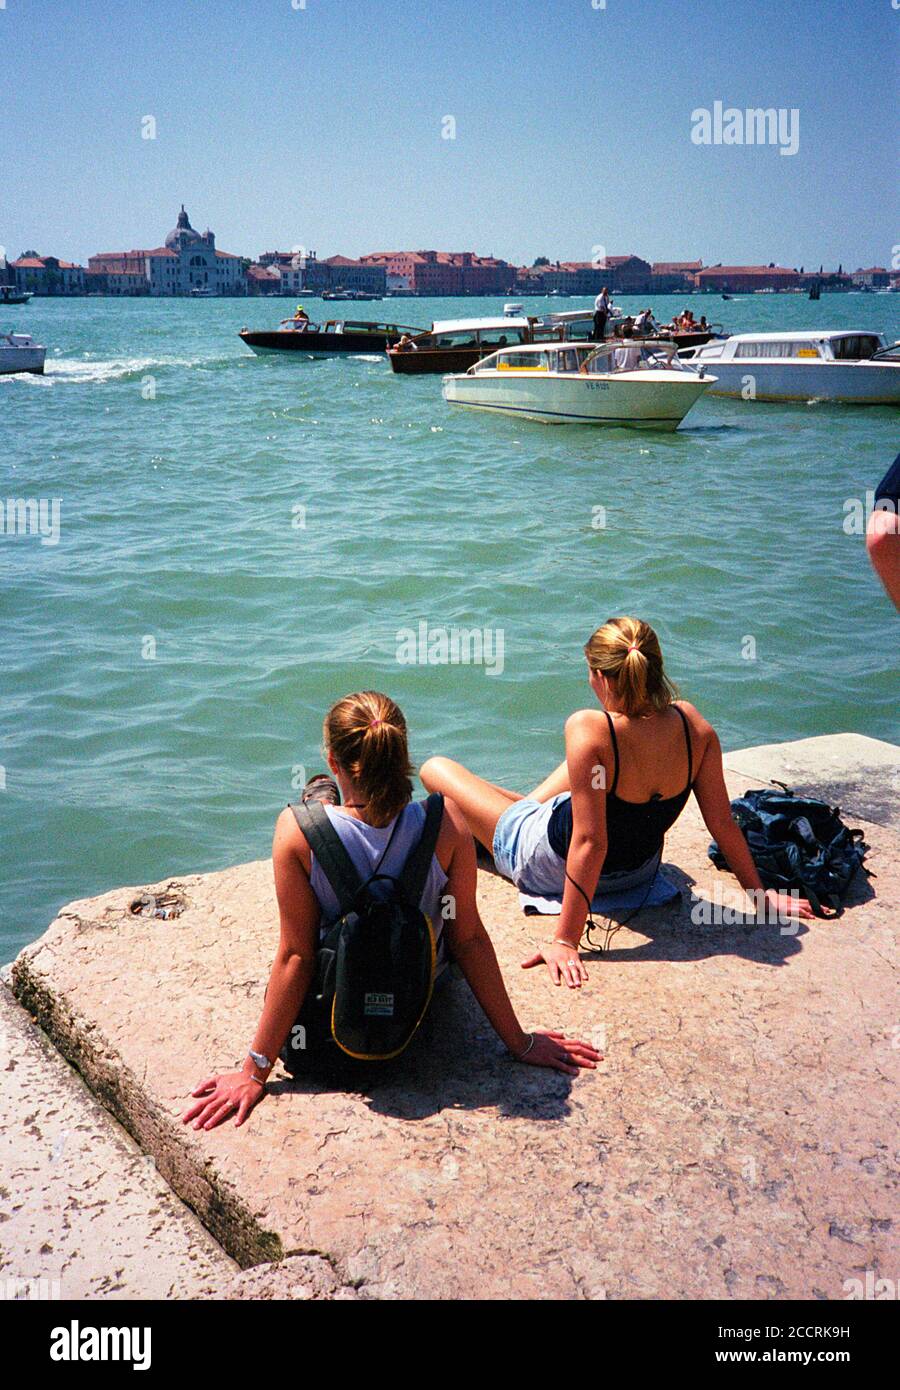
{"points": [[182, 233]]}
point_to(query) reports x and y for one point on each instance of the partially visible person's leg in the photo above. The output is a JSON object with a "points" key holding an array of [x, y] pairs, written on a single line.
{"points": [[557, 782], [482, 803], [883, 545]]}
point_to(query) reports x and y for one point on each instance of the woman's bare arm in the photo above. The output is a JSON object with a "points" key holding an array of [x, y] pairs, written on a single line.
{"points": [[223, 1094], [588, 753], [715, 807]]}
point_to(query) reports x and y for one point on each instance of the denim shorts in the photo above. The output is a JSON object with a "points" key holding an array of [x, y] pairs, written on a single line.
{"points": [[523, 853]]}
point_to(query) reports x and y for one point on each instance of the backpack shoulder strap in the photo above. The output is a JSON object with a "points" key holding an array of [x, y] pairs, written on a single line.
{"points": [[327, 846], [415, 871]]}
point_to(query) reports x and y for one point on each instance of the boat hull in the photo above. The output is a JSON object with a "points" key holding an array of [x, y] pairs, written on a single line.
{"points": [[15, 360], [657, 400], [851, 383], [318, 344]]}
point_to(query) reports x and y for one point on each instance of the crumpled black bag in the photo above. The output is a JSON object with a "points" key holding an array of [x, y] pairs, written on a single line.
{"points": [[798, 842]]}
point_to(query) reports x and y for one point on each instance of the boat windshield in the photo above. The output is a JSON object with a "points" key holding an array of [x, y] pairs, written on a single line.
{"points": [[858, 347], [629, 355], [590, 358]]}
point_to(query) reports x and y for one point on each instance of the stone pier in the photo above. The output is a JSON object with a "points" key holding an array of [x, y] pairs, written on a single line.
{"points": [[739, 1140]]}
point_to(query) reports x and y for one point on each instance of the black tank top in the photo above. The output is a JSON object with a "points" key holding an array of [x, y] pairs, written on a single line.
{"points": [[635, 830]]}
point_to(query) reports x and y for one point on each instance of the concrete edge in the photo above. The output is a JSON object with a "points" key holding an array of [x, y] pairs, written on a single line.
{"points": [[119, 1091]]}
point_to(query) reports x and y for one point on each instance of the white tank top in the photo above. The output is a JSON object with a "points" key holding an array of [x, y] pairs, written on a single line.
{"points": [[365, 845]]}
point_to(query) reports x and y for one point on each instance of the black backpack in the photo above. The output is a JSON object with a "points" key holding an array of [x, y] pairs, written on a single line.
{"points": [[375, 965], [798, 843]]}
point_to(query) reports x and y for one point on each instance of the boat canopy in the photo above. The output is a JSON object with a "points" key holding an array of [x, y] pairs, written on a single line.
{"points": [[569, 316], [473, 325], [806, 335]]}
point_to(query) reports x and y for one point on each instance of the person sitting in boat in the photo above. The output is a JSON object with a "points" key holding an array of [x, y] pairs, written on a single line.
{"points": [[643, 324], [405, 344], [702, 326], [626, 359], [301, 317], [596, 826], [370, 807]]}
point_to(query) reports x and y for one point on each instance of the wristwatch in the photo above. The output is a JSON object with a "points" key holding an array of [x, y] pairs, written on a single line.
{"points": [[259, 1058]]}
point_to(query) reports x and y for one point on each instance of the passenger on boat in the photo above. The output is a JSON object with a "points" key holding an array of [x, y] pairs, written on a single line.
{"points": [[626, 358], [371, 810], [597, 824], [702, 326], [405, 344], [601, 314], [644, 323], [300, 314]]}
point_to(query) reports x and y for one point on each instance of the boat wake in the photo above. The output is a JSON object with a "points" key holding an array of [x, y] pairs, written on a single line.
{"points": [[81, 371]]}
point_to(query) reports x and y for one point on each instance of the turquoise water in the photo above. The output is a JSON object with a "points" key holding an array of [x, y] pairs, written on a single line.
{"points": [[180, 527]]}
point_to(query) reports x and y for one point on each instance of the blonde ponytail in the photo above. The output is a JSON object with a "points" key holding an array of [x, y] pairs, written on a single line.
{"points": [[627, 652]]}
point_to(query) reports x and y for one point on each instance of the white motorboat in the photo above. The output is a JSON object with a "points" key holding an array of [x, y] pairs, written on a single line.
{"points": [[20, 353], [631, 382], [850, 365]]}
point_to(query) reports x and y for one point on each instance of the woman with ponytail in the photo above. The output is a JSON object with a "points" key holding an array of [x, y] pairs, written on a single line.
{"points": [[597, 824], [370, 806]]}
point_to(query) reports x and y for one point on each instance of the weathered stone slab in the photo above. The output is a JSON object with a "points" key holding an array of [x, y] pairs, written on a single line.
{"points": [[859, 774], [740, 1139], [83, 1211]]}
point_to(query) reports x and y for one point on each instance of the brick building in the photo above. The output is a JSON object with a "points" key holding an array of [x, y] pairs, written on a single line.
{"points": [[48, 275], [746, 279]]}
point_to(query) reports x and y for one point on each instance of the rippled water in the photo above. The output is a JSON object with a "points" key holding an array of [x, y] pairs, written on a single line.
{"points": [[167, 663]]}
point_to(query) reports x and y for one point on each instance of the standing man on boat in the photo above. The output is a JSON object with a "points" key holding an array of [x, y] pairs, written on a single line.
{"points": [[601, 314]]}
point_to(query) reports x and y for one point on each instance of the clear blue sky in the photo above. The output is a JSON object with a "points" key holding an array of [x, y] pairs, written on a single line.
{"points": [[322, 126]]}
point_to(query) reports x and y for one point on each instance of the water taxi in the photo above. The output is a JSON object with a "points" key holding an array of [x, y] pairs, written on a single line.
{"points": [[20, 353], [333, 338], [850, 365], [633, 382]]}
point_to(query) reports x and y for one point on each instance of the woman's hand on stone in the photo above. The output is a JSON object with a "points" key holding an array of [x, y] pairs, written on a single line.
{"points": [[555, 1050], [231, 1093], [564, 963]]}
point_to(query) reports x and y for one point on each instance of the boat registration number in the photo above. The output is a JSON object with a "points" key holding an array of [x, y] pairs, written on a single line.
{"points": [[598, 385]]}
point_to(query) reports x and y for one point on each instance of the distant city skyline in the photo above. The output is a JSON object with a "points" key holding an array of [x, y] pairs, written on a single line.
{"points": [[516, 131]]}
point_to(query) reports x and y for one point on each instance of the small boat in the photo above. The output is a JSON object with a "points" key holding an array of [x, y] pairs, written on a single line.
{"points": [[20, 353], [636, 383], [10, 295], [453, 345], [334, 338], [201, 292], [850, 365], [726, 296]]}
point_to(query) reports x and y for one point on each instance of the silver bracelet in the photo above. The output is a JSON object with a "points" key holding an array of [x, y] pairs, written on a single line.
{"points": [[520, 1055], [557, 941]]}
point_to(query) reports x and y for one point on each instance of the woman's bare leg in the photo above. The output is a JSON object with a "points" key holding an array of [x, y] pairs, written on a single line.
{"points": [[481, 802], [557, 782]]}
